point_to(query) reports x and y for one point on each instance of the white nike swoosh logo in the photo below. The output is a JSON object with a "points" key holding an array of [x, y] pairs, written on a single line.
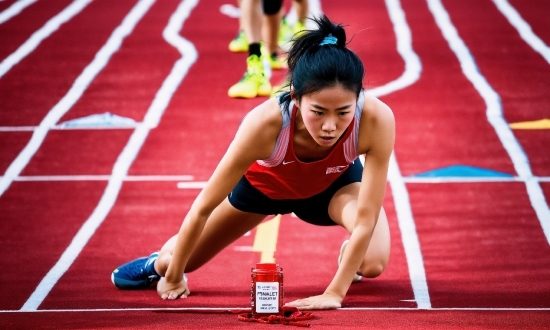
{"points": [[284, 163]]}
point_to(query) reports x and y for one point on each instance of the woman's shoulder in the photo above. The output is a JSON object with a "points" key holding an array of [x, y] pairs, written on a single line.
{"points": [[374, 111], [266, 115], [263, 123], [377, 123]]}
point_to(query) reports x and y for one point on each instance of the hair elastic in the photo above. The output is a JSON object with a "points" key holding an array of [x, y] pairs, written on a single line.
{"points": [[329, 40]]}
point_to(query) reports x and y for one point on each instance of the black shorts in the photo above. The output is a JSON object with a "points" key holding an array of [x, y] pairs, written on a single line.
{"points": [[314, 209]]}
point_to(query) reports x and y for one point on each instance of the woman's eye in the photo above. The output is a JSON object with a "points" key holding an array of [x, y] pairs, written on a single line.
{"points": [[318, 113], [343, 113]]}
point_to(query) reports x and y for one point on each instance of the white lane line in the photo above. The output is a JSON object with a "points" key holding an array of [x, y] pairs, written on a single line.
{"points": [[14, 10], [409, 236], [494, 113], [89, 227], [63, 128], [405, 219], [188, 183], [129, 153], [223, 309], [77, 89], [462, 179], [523, 28], [36, 38], [30, 178], [413, 67], [17, 128]]}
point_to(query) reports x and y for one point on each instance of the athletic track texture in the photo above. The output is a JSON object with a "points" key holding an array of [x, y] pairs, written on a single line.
{"points": [[113, 114]]}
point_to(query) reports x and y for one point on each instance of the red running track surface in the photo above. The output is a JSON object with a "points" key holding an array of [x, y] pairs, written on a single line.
{"points": [[485, 256]]}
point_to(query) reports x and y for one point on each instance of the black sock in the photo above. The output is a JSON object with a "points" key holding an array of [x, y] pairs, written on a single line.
{"points": [[254, 49]]}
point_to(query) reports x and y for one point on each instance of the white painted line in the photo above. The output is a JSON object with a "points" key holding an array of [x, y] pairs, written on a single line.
{"points": [[14, 10], [405, 219], [159, 178], [64, 128], [50, 27], [231, 309], [32, 178], [192, 185], [523, 28], [460, 179], [243, 248], [17, 128], [411, 243], [28, 178], [403, 35], [188, 183], [457, 309], [494, 113], [120, 168], [77, 89], [409, 236]]}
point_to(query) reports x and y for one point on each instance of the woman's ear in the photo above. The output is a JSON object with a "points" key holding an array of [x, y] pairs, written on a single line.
{"points": [[293, 97]]}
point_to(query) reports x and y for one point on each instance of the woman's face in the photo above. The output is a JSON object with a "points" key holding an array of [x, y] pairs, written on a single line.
{"points": [[327, 113]]}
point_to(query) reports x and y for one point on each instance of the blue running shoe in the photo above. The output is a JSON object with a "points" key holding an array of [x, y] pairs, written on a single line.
{"points": [[136, 274]]}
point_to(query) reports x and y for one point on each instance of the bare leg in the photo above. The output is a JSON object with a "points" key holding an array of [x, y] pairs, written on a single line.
{"points": [[225, 225], [270, 31], [343, 209], [302, 8], [251, 19]]}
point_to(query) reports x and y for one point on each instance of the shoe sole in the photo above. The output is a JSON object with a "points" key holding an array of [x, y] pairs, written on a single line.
{"points": [[129, 285]]}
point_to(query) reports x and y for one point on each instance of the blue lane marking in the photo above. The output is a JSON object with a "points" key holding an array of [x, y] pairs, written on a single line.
{"points": [[462, 171]]}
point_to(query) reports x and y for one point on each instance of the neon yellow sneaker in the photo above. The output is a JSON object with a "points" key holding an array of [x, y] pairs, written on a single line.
{"points": [[298, 27], [253, 83], [285, 33], [239, 44], [275, 62]]}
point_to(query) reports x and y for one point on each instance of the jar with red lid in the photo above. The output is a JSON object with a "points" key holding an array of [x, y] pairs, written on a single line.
{"points": [[267, 289]]}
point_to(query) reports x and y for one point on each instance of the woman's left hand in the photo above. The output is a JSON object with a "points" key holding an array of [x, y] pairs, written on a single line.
{"points": [[324, 301]]}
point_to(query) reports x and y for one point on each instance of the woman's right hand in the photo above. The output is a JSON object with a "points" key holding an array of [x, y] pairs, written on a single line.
{"points": [[172, 290]]}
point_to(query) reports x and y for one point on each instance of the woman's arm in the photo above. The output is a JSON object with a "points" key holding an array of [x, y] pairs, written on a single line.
{"points": [[376, 140], [255, 139]]}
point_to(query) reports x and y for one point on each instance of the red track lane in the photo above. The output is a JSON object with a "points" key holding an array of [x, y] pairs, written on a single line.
{"points": [[32, 87], [128, 84], [70, 152], [341, 319], [450, 128], [546, 190], [36, 229], [19, 28], [522, 85], [441, 119], [11, 143], [481, 242], [6, 4], [482, 246], [535, 12]]}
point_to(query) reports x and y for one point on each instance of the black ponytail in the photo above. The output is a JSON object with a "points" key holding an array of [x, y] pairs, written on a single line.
{"points": [[319, 59]]}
